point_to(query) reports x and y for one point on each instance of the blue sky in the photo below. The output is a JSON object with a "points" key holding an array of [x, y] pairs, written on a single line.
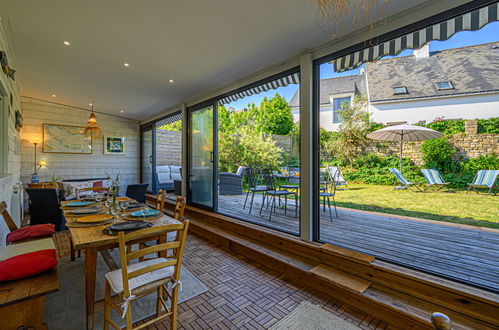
{"points": [[489, 33]]}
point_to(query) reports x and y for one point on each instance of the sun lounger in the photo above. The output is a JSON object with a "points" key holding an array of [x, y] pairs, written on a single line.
{"points": [[413, 186], [484, 179], [434, 179]]}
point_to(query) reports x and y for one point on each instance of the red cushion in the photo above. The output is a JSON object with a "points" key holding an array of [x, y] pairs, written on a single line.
{"points": [[98, 184], [36, 231], [28, 264]]}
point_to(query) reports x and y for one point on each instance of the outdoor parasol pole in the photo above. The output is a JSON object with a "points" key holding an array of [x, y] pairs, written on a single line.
{"points": [[401, 144]]}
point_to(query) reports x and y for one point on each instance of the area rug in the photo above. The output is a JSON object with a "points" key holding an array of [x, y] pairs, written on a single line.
{"points": [[312, 317], [66, 308]]}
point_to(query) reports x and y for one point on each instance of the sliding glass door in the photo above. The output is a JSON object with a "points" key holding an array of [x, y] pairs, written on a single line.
{"points": [[201, 157]]}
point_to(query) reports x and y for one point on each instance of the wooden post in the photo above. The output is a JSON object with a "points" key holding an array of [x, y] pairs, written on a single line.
{"points": [[441, 321]]}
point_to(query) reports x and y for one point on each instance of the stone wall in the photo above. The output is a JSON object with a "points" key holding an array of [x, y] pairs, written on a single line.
{"points": [[467, 145], [168, 148]]}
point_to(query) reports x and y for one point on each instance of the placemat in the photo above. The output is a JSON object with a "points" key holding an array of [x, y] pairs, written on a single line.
{"points": [[76, 224]]}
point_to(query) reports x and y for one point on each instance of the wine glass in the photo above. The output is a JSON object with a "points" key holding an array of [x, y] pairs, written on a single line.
{"points": [[124, 206], [98, 199]]}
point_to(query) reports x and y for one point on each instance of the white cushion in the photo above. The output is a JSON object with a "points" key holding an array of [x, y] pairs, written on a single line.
{"points": [[115, 279], [164, 178], [71, 187], [163, 169]]}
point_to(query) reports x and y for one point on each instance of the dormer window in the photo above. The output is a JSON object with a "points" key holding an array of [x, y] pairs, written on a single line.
{"points": [[400, 90], [444, 85]]}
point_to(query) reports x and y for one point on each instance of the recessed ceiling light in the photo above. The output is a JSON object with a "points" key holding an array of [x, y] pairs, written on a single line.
{"points": [[171, 81], [126, 64], [53, 95], [67, 43], [121, 111]]}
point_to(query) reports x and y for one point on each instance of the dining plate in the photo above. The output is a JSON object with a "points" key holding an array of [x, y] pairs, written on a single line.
{"points": [[86, 210], [144, 213], [94, 218], [135, 205], [129, 225], [82, 203]]}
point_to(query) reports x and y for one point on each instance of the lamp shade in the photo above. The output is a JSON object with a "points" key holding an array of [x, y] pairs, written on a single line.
{"points": [[92, 126]]}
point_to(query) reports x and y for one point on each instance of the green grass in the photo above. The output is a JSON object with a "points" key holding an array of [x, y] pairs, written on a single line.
{"points": [[456, 207]]}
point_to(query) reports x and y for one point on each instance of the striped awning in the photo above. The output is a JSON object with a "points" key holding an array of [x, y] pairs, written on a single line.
{"points": [[281, 82], [169, 120], [470, 21]]}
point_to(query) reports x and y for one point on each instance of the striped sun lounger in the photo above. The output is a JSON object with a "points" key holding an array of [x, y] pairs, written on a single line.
{"points": [[434, 179], [335, 174], [484, 179], [413, 186]]}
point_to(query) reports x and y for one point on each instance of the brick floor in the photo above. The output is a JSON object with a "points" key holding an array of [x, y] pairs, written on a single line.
{"points": [[242, 294]]}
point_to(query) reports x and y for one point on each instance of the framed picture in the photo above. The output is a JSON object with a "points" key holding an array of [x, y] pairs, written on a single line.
{"points": [[114, 145], [65, 139]]}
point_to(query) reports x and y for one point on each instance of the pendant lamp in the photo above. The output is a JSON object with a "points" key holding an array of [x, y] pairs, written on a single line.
{"points": [[92, 126]]}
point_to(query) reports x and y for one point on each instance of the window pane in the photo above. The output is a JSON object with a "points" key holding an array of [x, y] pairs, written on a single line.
{"points": [[258, 156], [445, 87]]}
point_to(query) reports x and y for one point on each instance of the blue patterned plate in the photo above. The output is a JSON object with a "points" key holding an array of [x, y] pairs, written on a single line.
{"points": [[144, 213], [83, 203]]}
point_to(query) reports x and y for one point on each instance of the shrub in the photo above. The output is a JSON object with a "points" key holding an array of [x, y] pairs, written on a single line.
{"points": [[472, 165], [447, 127], [488, 126], [373, 169], [437, 152]]}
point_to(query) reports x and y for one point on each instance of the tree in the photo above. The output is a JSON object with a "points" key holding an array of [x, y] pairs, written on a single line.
{"points": [[274, 116], [174, 127], [352, 138]]}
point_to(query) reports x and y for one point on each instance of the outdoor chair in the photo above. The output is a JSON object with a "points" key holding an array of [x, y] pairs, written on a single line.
{"points": [[44, 208], [231, 183], [406, 184], [252, 177], [434, 179], [136, 280], [484, 179], [273, 192], [327, 193], [335, 174], [137, 191]]}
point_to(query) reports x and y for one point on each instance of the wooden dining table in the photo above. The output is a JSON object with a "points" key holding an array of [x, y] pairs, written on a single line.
{"points": [[94, 239]]}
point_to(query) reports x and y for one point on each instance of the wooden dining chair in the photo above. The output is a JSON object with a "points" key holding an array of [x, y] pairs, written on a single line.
{"points": [[134, 281], [21, 235], [179, 208], [160, 200], [106, 190]]}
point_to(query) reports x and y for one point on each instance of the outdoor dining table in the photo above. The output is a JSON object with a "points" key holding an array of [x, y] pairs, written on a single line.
{"points": [[94, 239]]}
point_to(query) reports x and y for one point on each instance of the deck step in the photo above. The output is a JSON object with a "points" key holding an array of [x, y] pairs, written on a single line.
{"points": [[348, 253], [335, 276]]}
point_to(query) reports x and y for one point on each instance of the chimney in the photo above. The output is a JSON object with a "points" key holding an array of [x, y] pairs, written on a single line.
{"points": [[423, 52]]}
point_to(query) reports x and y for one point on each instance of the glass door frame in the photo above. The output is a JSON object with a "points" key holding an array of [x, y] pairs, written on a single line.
{"points": [[206, 104], [148, 127]]}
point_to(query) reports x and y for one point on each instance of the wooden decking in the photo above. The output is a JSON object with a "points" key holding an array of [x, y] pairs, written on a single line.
{"points": [[462, 254]]}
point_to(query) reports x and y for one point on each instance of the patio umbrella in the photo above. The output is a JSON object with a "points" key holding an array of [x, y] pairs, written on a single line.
{"points": [[404, 133]]}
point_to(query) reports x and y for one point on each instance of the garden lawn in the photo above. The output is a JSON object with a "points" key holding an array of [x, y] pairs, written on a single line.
{"points": [[457, 207]]}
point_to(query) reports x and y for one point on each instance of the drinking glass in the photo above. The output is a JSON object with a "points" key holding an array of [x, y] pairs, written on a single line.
{"points": [[124, 206]]}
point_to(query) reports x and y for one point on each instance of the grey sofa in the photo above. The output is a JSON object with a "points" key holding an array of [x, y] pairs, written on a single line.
{"points": [[166, 175], [231, 183]]}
